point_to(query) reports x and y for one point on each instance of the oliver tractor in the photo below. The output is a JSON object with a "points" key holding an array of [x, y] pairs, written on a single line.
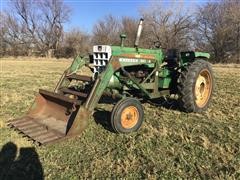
{"points": [[126, 73]]}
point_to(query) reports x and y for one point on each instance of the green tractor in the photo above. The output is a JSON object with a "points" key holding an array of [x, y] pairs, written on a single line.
{"points": [[129, 74]]}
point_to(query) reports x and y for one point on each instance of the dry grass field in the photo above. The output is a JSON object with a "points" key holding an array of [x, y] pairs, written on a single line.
{"points": [[170, 144]]}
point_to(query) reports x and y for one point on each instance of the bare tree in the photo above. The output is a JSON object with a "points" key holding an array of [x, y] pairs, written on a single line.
{"points": [[218, 29], [170, 25], [74, 42], [129, 27], [35, 25], [232, 17], [210, 23], [3, 30], [109, 29], [106, 31], [12, 35], [54, 14]]}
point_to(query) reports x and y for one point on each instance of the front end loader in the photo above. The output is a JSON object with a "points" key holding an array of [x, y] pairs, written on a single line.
{"points": [[126, 73]]}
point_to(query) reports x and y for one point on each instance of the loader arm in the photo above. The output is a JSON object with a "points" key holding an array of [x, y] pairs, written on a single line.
{"points": [[83, 115], [100, 85], [77, 64]]}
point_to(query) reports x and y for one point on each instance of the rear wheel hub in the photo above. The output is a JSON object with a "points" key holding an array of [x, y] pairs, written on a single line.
{"points": [[203, 88]]}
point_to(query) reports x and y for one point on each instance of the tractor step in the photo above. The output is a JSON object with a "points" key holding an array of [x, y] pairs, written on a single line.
{"points": [[79, 77], [77, 93], [38, 130], [59, 97]]}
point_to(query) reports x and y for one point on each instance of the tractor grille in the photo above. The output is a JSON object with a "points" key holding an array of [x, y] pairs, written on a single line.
{"points": [[101, 56]]}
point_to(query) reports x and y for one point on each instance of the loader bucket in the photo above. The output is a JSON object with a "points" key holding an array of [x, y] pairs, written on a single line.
{"points": [[52, 117]]}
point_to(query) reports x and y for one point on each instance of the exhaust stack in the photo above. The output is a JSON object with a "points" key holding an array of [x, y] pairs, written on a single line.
{"points": [[139, 32]]}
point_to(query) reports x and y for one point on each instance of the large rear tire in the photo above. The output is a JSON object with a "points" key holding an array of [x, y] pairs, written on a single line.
{"points": [[127, 115], [195, 86]]}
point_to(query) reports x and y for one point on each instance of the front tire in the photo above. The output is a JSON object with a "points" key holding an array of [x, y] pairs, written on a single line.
{"points": [[195, 86], [127, 115]]}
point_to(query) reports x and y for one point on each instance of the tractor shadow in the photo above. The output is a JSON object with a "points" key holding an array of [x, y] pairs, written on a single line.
{"points": [[171, 104], [103, 117], [25, 166]]}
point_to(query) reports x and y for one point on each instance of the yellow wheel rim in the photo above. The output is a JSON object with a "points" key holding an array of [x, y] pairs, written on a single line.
{"points": [[129, 117], [203, 88]]}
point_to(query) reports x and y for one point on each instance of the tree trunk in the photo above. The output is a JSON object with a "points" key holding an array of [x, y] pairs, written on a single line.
{"points": [[50, 53], [238, 41]]}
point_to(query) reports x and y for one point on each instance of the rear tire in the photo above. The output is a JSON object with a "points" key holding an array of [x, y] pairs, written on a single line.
{"points": [[195, 86], [127, 115]]}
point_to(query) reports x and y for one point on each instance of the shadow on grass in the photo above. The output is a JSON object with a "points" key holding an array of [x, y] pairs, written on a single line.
{"points": [[25, 166], [103, 117], [167, 103]]}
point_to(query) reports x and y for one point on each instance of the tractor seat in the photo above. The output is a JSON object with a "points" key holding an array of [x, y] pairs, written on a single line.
{"points": [[172, 57]]}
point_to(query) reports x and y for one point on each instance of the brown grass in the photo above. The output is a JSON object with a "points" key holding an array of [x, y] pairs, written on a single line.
{"points": [[170, 144]]}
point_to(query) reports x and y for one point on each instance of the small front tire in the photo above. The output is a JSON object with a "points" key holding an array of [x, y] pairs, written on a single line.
{"points": [[127, 115]]}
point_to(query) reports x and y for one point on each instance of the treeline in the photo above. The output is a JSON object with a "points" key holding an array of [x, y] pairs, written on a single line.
{"points": [[35, 28]]}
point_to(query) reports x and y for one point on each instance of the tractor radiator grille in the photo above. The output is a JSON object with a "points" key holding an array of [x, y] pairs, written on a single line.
{"points": [[101, 56]]}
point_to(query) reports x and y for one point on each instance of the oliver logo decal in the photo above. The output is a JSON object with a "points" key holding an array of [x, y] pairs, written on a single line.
{"points": [[132, 60]]}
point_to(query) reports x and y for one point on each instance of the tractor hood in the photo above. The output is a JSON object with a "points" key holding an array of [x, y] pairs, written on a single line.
{"points": [[121, 51]]}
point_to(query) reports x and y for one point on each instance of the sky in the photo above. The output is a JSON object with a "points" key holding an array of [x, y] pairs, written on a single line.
{"points": [[85, 13]]}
